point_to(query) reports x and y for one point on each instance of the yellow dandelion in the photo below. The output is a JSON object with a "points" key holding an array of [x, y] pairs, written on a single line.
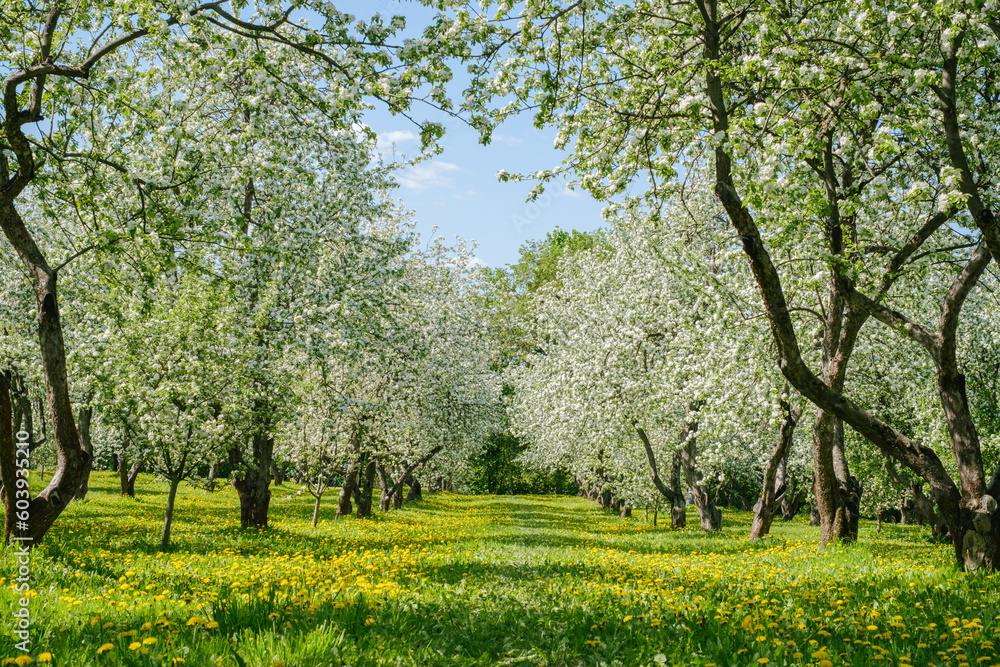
{"points": [[211, 625], [104, 648], [22, 660], [45, 657], [149, 641], [135, 646]]}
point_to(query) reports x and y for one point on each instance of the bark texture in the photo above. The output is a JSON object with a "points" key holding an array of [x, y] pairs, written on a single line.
{"points": [[168, 517], [672, 493], [363, 496], [71, 460], [773, 490], [416, 492], [83, 422], [7, 458], [252, 479]]}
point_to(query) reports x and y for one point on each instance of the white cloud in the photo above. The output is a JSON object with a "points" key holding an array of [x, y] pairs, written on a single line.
{"points": [[572, 194], [467, 195], [387, 139], [507, 139], [426, 175]]}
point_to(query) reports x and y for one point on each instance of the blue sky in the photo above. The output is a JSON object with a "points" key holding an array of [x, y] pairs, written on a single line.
{"points": [[458, 190]]}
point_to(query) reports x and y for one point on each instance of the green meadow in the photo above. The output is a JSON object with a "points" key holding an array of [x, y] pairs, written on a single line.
{"points": [[483, 580]]}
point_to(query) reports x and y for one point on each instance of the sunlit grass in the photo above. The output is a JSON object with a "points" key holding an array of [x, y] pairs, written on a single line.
{"points": [[460, 580]]}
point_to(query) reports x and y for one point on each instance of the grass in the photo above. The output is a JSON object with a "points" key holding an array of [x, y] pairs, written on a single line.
{"points": [[466, 580]]}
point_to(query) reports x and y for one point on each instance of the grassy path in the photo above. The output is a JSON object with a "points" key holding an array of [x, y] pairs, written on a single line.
{"points": [[459, 580]]}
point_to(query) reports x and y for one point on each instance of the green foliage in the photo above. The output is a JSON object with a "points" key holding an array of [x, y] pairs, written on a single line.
{"points": [[540, 260], [498, 470]]}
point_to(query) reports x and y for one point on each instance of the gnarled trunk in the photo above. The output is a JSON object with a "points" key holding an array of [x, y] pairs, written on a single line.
{"points": [[344, 506], [71, 460], [673, 493], [709, 515], [415, 491], [393, 493], [252, 479], [8, 473], [385, 484], [83, 421], [280, 472], [363, 496], [127, 476], [767, 505]]}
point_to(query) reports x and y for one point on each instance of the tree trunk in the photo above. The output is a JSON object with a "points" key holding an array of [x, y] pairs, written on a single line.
{"points": [[344, 506], [123, 479], [385, 483], [710, 516], [83, 421], [767, 505], [23, 413], [8, 459], [791, 501], [673, 493], [169, 516], [46, 507], [280, 471], [319, 497], [396, 491], [678, 502], [128, 477], [626, 511], [213, 476], [814, 519], [364, 493], [252, 479], [415, 492]]}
